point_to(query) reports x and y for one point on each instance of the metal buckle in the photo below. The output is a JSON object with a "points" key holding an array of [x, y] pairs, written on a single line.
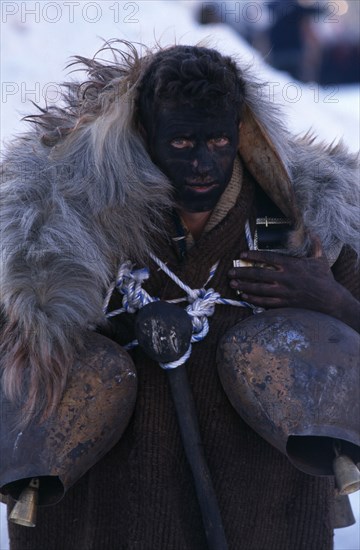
{"points": [[269, 224]]}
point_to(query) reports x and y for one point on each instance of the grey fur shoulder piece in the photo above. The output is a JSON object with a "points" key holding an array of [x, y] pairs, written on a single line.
{"points": [[326, 182], [79, 194]]}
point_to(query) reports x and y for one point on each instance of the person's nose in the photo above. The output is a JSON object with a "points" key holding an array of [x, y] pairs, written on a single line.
{"points": [[202, 163]]}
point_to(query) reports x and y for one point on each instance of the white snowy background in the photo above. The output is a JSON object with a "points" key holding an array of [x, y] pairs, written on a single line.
{"points": [[38, 39]]}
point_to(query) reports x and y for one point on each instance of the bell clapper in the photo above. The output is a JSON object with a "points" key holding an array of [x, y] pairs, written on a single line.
{"points": [[24, 511], [346, 472]]}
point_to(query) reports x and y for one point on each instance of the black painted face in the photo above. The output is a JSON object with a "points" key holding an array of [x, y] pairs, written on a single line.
{"points": [[196, 151]]}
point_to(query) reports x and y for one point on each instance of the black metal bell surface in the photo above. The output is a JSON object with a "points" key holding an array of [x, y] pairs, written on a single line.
{"points": [[293, 376], [163, 331], [93, 414]]}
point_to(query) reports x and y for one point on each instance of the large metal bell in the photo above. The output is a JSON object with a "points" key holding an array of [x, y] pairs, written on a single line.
{"points": [[293, 376], [94, 412]]}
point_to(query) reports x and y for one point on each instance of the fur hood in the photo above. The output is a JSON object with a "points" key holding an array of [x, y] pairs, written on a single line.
{"points": [[79, 194]]}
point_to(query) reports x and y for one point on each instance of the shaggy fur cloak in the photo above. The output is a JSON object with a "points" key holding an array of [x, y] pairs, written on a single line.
{"points": [[79, 194]]}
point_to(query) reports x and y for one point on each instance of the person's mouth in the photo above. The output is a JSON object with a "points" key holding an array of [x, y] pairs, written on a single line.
{"points": [[201, 185]]}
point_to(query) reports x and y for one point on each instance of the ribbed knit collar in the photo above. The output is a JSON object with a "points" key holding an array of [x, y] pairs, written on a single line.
{"points": [[225, 203]]}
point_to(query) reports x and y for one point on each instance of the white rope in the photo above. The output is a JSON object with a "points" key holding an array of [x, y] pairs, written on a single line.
{"points": [[178, 362], [202, 301], [129, 284], [189, 291], [249, 237]]}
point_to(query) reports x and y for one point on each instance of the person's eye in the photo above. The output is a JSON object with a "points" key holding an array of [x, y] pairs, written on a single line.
{"points": [[220, 141], [181, 143]]}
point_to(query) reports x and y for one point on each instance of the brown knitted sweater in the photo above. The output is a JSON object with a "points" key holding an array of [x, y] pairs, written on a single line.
{"points": [[140, 496]]}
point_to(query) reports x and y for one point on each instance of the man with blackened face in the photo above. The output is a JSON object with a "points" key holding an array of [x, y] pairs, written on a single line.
{"points": [[199, 127], [196, 150], [192, 130]]}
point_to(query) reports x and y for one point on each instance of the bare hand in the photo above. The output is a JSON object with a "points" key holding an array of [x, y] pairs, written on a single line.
{"points": [[286, 281]]}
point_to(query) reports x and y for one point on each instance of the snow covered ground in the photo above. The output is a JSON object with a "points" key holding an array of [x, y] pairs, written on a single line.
{"points": [[38, 38]]}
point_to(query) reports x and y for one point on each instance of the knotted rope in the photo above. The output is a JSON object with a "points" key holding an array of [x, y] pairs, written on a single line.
{"points": [[129, 284], [201, 301]]}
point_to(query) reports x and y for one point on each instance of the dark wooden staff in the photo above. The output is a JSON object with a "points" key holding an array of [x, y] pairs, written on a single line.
{"points": [[190, 434], [164, 332]]}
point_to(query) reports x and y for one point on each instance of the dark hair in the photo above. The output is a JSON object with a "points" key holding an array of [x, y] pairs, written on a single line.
{"points": [[190, 75]]}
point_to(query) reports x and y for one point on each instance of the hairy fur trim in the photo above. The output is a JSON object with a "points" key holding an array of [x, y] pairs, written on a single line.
{"points": [[326, 185], [70, 212]]}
